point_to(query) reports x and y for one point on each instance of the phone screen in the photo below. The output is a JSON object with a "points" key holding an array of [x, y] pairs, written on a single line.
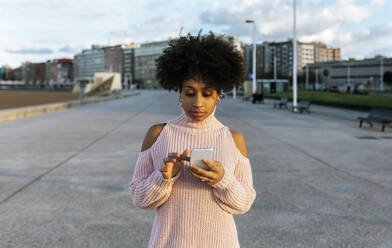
{"points": [[197, 154]]}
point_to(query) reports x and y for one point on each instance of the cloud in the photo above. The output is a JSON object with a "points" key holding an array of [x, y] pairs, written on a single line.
{"points": [[386, 51], [70, 49], [154, 29], [31, 51], [374, 33], [326, 21], [274, 19]]}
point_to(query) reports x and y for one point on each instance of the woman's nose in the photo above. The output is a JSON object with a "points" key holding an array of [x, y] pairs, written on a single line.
{"points": [[197, 102]]}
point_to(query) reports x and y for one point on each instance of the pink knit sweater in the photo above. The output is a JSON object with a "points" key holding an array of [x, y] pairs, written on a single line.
{"points": [[191, 213]]}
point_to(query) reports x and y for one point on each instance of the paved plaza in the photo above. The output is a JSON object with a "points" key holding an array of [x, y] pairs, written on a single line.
{"points": [[321, 181]]}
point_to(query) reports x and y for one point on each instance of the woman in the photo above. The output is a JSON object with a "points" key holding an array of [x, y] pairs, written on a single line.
{"points": [[195, 205]]}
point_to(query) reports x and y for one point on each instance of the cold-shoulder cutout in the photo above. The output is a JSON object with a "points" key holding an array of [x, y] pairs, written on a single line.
{"points": [[240, 142], [152, 135]]}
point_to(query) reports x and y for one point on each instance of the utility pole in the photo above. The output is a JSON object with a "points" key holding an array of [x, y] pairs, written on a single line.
{"points": [[295, 58], [254, 56], [275, 69], [382, 74], [307, 76]]}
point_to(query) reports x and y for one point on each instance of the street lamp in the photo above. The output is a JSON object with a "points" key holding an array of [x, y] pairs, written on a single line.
{"points": [[348, 74], [254, 56], [382, 73], [307, 77], [294, 58]]}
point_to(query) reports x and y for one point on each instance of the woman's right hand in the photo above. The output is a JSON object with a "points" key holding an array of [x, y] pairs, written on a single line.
{"points": [[173, 164]]}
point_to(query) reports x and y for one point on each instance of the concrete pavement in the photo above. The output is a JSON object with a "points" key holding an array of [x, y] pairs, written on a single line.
{"points": [[320, 180], [16, 113]]}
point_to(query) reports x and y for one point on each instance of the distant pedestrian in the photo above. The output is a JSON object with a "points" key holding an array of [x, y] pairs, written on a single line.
{"points": [[348, 89], [257, 98], [195, 206]]}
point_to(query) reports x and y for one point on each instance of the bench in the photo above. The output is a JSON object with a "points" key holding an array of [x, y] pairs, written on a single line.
{"points": [[282, 103], [303, 106], [378, 115]]}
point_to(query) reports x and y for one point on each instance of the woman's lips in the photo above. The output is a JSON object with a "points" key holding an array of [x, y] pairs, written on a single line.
{"points": [[197, 113]]}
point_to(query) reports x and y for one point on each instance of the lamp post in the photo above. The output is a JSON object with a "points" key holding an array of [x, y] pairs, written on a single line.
{"points": [[254, 56], [294, 58], [382, 73], [307, 76], [275, 69]]}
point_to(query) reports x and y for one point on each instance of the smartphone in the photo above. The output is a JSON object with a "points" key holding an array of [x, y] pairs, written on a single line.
{"points": [[197, 154]]}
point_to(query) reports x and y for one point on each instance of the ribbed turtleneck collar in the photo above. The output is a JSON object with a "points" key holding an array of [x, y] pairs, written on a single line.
{"points": [[209, 123]]}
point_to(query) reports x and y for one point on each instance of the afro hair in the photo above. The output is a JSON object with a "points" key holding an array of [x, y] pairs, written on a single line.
{"points": [[210, 58]]}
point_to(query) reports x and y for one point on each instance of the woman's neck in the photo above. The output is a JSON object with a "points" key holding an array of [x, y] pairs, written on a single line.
{"points": [[209, 123]]}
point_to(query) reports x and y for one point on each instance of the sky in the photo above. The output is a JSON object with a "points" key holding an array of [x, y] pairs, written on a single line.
{"points": [[38, 30]]}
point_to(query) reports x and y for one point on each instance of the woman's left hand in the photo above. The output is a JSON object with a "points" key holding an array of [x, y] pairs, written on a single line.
{"points": [[211, 176]]}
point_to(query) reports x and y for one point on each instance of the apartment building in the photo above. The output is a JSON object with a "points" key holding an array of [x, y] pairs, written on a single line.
{"points": [[281, 53], [89, 61], [145, 66]]}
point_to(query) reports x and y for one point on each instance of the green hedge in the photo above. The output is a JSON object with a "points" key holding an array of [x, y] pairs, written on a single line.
{"points": [[363, 102]]}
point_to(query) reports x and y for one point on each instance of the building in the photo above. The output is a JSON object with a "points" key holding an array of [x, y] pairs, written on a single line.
{"points": [[75, 63], [33, 73], [15, 74], [128, 70], [90, 61], [366, 72], [61, 71], [120, 58], [260, 60], [281, 53], [47, 71], [145, 66], [323, 53], [12, 74], [2, 73], [6, 72], [113, 59]]}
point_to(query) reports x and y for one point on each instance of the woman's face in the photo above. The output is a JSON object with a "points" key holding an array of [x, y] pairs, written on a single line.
{"points": [[198, 99]]}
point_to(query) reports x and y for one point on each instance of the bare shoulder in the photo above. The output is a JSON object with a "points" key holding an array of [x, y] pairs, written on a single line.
{"points": [[240, 142], [152, 135]]}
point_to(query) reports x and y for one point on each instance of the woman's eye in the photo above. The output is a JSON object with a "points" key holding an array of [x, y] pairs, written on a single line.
{"points": [[192, 94]]}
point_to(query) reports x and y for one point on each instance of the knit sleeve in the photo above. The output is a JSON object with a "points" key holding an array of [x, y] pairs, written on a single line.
{"points": [[234, 192], [148, 188]]}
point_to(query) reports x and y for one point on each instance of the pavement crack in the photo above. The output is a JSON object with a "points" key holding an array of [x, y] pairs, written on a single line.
{"points": [[72, 156]]}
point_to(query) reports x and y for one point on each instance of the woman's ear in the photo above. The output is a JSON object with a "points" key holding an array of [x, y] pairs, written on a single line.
{"points": [[220, 93]]}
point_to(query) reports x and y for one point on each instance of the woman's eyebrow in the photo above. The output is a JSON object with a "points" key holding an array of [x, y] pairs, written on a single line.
{"points": [[205, 88]]}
